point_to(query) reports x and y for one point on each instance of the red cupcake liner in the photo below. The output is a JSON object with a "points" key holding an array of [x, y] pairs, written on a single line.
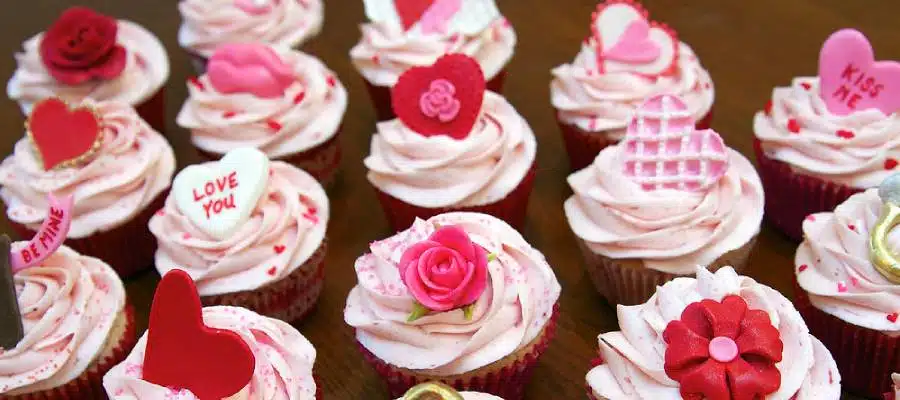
{"points": [[128, 249], [866, 358], [381, 95], [790, 196], [153, 111], [89, 385], [506, 378], [513, 208], [289, 299]]}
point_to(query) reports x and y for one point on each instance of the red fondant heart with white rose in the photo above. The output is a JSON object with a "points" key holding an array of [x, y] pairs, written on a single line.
{"points": [[63, 136], [851, 80], [219, 197], [663, 149], [183, 353], [626, 41], [443, 99]]}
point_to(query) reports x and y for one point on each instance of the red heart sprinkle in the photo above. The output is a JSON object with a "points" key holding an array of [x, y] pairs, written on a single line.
{"points": [[890, 164], [271, 271], [279, 249], [62, 135], [852, 227], [845, 134], [196, 82], [768, 107], [229, 114], [803, 268], [160, 213], [892, 317], [806, 85], [793, 125], [842, 287], [810, 218], [331, 81], [273, 125], [186, 236], [299, 97]]}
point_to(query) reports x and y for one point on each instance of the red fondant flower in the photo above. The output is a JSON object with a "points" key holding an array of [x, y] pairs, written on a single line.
{"points": [[723, 351], [80, 46]]}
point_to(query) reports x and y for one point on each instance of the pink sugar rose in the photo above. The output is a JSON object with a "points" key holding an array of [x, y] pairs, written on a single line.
{"points": [[446, 271]]}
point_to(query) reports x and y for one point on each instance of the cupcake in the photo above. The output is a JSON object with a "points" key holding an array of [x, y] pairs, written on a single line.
{"points": [[453, 147], [251, 233], [627, 59], [849, 290], [402, 35], [285, 103], [894, 394], [460, 298], [207, 24], [120, 61], [439, 391], [664, 200], [826, 138], [719, 336], [191, 353], [114, 164]]}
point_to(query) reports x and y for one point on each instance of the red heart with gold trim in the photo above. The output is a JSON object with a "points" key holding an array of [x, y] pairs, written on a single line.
{"points": [[63, 136], [411, 11]]}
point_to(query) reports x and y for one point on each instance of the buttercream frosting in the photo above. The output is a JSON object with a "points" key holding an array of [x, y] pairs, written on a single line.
{"points": [[896, 378], [475, 396]]}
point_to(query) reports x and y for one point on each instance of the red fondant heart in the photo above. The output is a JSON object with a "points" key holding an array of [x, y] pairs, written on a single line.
{"points": [[465, 80], [62, 135], [410, 11], [183, 353]]}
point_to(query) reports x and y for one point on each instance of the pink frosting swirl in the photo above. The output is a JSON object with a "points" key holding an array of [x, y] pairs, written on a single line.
{"points": [[509, 314], [852, 150], [634, 357], [146, 70], [439, 171], [70, 305], [670, 230], [132, 167], [308, 114], [284, 230], [209, 23], [284, 361]]}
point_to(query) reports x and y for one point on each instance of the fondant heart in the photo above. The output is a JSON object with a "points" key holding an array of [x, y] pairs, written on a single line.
{"points": [[627, 42], [850, 78], [218, 197], [411, 11], [249, 68], [183, 353], [62, 136], [663, 150], [443, 99]]}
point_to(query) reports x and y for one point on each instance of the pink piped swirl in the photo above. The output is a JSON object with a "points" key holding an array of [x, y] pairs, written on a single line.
{"points": [[440, 101]]}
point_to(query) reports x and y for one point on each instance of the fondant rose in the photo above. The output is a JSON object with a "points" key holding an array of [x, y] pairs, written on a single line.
{"points": [[80, 46], [439, 101], [446, 271], [249, 68]]}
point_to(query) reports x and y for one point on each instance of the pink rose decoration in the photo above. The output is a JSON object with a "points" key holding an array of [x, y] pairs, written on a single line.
{"points": [[446, 271], [440, 101], [249, 68]]}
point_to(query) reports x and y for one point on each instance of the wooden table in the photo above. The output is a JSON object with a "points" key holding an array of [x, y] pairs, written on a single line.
{"points": [[748, 46]]}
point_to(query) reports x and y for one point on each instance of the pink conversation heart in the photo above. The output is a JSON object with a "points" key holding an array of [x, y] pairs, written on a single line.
{"points": [[850, 78], [634, 45], [249, 68]]}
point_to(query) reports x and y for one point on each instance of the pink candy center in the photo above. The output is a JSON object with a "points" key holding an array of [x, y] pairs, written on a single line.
{"points": [[439, 101], [723, 349]]}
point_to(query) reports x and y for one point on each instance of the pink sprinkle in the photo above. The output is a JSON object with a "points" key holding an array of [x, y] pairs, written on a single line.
{"points": [[854, 281], [376, 59], [811, 218], [272, 271], [299, 97], [273, 125], [186, 236], [160, 213], [331, 81], [842, 287], [136, 145], [229, 114]]}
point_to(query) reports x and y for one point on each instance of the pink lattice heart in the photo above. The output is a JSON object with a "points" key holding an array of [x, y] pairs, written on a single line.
{"points": [[663, 150]]}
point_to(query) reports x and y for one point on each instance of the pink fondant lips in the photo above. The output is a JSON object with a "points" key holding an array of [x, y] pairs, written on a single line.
{"points": [[249, 68]]}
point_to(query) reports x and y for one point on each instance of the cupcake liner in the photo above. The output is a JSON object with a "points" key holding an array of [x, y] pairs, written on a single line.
{"points": [[320, 393], [153, 111], [505, 378], [512, 208], [790, 196], [129, 248], [628, 282], [865, 357], [289, 299]]}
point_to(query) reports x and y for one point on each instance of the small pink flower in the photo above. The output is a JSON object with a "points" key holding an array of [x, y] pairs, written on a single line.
{"points": [[439, 101]]}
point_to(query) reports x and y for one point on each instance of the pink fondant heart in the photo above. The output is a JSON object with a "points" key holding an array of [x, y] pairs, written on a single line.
{"points": [[437, 17], [663, 150], [626, 41], [850, 78], [635, 45], [249, 68]]}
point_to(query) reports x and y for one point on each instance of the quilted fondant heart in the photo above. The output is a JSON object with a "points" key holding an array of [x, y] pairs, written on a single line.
{"points": [[626, 41], [219, 197], [183, 353], [63, 136], [663, 150], [850, 78], [443, 99]]}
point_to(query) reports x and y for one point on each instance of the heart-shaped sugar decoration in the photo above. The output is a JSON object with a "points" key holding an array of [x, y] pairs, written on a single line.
{"points": [[218, 197], [851, 80], [626, 41], [443, 99], [663, 149], [411, 11], [63, 136], [183, 353]]}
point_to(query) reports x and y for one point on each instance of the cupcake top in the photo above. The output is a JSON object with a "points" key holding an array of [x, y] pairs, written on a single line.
{"points": [[453, 144], [279, 101], [627, 59], [497, 298], [440, 391], [402, 35], [722, 318], [842, 126], [120, 61], [240, 223], [113, 163], [210, 23], [669, 195]]}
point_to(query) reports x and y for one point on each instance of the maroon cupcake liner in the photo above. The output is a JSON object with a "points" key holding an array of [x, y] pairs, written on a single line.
{"points": [[153, 111], [506, 378], [289, 299], [512, 208], [128, 249], [596, 362], [790, 196]]}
